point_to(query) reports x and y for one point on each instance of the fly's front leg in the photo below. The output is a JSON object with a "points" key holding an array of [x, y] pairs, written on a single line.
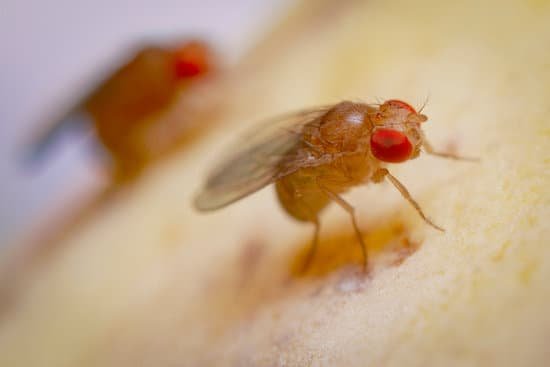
{"points": [[384, 173], [351, 210], [430, 150]]}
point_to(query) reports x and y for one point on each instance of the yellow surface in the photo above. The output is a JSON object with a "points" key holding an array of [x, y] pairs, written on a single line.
{"points": [[149, 282]]}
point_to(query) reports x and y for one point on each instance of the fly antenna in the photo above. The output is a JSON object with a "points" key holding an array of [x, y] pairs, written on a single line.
{"points": [[379, 100], [424, 104]]}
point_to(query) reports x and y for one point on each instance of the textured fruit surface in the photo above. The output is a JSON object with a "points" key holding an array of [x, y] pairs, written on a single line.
{"points": [[149, 282]]}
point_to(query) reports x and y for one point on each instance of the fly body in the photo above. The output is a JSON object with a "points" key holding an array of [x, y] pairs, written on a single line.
{"points": [[315, 155]]}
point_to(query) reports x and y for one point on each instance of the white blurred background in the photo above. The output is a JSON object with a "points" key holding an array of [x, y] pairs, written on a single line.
{"points": [[49, 49]]}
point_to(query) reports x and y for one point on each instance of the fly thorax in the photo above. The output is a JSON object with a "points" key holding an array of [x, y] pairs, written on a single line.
{"points": [[343, 126]]}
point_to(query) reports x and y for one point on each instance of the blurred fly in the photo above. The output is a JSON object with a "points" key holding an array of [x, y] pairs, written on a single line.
{"points": [[125, 107], [315, 155]]}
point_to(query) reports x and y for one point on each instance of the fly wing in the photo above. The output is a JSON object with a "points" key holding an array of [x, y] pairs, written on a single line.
{"points": [[267, 153]]}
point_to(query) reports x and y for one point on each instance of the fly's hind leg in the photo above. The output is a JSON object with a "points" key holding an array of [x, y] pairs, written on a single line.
{"points": [[313, 247], [290, 196], [382, 173], [351, 210]]}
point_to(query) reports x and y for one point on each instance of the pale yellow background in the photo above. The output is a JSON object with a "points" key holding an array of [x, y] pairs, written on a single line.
{"points": [[149, 282]]}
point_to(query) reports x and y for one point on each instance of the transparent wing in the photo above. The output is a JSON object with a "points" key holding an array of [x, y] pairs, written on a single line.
{"points": [[265, 154]]}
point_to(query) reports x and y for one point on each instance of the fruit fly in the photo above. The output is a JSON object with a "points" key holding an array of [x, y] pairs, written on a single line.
{"points": [[125, 106], [315, 155]]}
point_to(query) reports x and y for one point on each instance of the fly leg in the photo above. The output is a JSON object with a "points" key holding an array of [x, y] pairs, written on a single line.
{"points": [[351, 210], [430, 150], [313, 247], [382, 173], [307, 213]]}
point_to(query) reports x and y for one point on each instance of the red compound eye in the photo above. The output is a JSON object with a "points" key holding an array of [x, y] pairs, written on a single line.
{"points": [[400, 104], [191, 60], [390, 145]]}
